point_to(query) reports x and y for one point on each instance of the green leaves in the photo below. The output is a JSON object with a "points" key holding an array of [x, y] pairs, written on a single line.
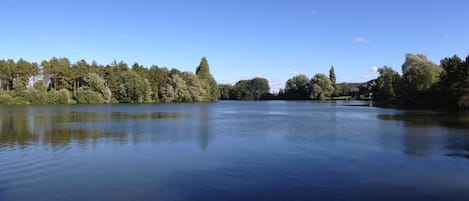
{"points": [[254, 89], [16, 75], [321, 87], [386, 85], [454, 82], [57, 81], [297, 88], [300, 87], [419, 73], [426, 85], [207, 81], [87, 96], [225, 91]]}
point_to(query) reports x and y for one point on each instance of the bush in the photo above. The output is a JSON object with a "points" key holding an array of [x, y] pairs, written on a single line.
{"points": [[40, 85], [113, 101], [84, 96], [19, 101], [63, 97], [5, 98], [35, 97], [52, 97]]}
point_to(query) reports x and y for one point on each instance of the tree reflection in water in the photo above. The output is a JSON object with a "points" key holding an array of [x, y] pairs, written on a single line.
{"points": [[429, 132], [24, 126]]}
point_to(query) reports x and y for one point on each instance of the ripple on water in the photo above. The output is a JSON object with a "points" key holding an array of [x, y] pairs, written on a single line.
{"points": [[21, 170]]}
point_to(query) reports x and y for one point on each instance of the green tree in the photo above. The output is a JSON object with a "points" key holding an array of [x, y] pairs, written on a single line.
{"points": [[23, 72], [40, 85], [297, 88], [241, 91], [167, 93], [97, 84], [194, 86], [259, 87], [113, 80], [58, 72], [5, 98], [131, 88], [87, 96], [181, 89], [119, 66], [412, 60], [225, 91], [6, 74], [454, 83], [208, 82], [333, 78], [64, 97], [81, 70], [386, 86], [37, 94], [148, 95], [321, 87], [254, 89], [419, 79], [343, 89], [157, 78], [176, 90], [140, 70]]}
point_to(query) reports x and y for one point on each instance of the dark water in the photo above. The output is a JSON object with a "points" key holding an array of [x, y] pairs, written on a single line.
{"points": [[286, 151]]}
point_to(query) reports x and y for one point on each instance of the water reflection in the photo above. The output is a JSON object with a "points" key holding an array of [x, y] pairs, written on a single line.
{"points": [[420, 134], [427, 133], [204, 128], [231, 151], [430, 119], [59, 127]]}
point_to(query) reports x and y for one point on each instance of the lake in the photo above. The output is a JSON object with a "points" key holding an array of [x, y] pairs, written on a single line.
{"points": [[272, 150]]}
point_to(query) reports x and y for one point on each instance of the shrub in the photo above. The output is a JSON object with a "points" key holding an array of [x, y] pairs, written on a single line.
{"points": [[52, 97], [19, 101], [63, 97], [35, 97], [5, 98], [84, 96]]}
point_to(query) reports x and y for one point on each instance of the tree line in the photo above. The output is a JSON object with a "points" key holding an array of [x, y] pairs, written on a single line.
{"points": [[424, 84], [254, 89], [58, 81], [299, 87]]}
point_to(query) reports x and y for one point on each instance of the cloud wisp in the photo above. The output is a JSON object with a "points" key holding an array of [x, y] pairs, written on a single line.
{"points": [[359, 40]]}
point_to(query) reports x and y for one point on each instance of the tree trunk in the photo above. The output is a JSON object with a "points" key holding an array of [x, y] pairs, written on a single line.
{"points": [[75, 86]]}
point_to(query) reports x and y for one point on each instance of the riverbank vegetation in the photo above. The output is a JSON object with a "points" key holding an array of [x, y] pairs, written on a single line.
{"points": [[58, 81], [299, 87], [422, 84]]}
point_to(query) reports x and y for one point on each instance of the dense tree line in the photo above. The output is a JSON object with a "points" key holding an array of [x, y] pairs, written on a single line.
{"points": [[58, 81], [319, 87], [253, 89], [299, 87], [424, 84]]}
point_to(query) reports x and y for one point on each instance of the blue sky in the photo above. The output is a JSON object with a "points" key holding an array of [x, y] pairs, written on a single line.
{"points": [[275, 39]]}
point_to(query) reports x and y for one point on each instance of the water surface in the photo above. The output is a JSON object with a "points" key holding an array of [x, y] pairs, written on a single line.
{"points": [[272, 150]]}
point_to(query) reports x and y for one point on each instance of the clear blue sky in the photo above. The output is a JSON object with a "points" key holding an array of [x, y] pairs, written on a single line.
{"points": [[241, 38]]}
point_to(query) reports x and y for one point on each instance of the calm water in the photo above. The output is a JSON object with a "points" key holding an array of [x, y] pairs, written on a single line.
{"points": [[232, 151]]}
